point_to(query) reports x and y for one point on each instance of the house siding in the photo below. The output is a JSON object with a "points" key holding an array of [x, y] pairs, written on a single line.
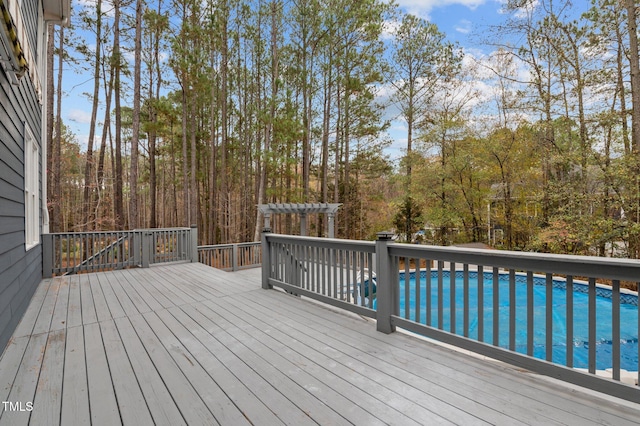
{"points": [[20, 270]]}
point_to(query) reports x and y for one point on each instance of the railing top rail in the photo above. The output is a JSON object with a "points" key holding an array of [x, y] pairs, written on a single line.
{"points": [[128, 231], [334, 243], [592, 266], [216, 246], [163, 229], [249, 243], [124, 231]]}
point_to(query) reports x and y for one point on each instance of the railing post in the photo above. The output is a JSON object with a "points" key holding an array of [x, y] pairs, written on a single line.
{"points": [[385, 292], [266, 263], [47, 255], [137, 247], [146, 248], [194, 243], [234, 258]]}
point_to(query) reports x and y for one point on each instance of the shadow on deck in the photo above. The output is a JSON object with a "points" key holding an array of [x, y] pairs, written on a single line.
{"points": [[188, 344]]}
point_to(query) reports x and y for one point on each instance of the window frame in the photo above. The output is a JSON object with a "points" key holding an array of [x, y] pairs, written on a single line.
{"points": [[31, 189]]}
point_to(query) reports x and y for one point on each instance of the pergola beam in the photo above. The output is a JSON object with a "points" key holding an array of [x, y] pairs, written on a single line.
{"points": [[303, 210]]}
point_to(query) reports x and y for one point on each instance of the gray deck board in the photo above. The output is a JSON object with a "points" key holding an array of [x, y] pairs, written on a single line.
{"points": [[99, 300], [87, 303], [123, 298], [103, 405], [48, 397], [75, 393], [436, 366], [61, 309], [237, 392], [45, 313], [191, 377], [158, 399], [28, 321], [140, 295], [390, 382], [113, 306], [23, 388], [354, 388], [220, 358], [10, 361], [74, 314], [188, 344], [444, 390], [289, 379], [131, 402]]}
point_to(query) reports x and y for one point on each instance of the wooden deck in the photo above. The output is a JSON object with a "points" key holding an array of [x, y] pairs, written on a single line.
{"points": [[188, 344]]}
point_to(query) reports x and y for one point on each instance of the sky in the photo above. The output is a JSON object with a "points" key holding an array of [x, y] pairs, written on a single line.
{"points": [[462, 21]]}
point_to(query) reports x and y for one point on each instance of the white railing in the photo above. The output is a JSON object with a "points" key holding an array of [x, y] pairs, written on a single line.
{"points": [[73, 252], [231, 257], [495, 303]]}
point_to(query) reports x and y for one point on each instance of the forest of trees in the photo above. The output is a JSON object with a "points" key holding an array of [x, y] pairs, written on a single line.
{"points": [[203, 109]]}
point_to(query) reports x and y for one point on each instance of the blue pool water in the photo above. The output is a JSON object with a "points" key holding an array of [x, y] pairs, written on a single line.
{"points": [[628, 316]]}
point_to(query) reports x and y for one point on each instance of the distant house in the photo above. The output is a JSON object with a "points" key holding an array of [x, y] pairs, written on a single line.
{"points": [[23, 209]]}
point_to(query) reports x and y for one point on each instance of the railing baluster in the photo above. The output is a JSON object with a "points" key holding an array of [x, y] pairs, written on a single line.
{"points": [[354, 277], [549, 317], [428, 301], [417, 291], [363, 293], [615, 332], [530, 310], [496, 307], [569, 315], [465, 290], [440, 295], [452, 297], [592, 325], [512, 309], [372, 281], [324, 270], [480, 303], [407, 296]]}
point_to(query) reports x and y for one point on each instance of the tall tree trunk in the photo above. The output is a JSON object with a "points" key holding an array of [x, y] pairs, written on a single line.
{"points": [[634, 62], [133, 177], [224, 182], [106, 128], [272, 115], [88, 174], [118, 195]]}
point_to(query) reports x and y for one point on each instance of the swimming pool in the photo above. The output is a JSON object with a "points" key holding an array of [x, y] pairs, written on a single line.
{"points": [[628, 316]]}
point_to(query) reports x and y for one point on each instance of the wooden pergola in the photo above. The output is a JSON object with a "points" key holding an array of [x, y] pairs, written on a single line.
{"points": [[303, 210]]}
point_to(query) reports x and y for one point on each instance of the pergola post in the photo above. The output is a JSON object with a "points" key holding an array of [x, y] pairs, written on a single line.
{"points": [[331, 224], [303, 224], [267, 220]]}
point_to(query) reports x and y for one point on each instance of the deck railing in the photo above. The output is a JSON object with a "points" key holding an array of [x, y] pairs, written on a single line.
{"points": [[486, 301], [231, 257], [73, 252]]}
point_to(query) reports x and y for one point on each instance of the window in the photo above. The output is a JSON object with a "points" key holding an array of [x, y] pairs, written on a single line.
{"points": [[31, 190]]}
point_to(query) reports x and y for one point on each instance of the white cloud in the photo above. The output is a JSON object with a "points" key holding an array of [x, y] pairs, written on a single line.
{"points": [[525, 10], [389, 28], [79, 116], [464, 26], [423, 7]]}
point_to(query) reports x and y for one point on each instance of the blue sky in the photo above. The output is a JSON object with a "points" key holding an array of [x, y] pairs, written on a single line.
{"points": [[461, 20]]}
